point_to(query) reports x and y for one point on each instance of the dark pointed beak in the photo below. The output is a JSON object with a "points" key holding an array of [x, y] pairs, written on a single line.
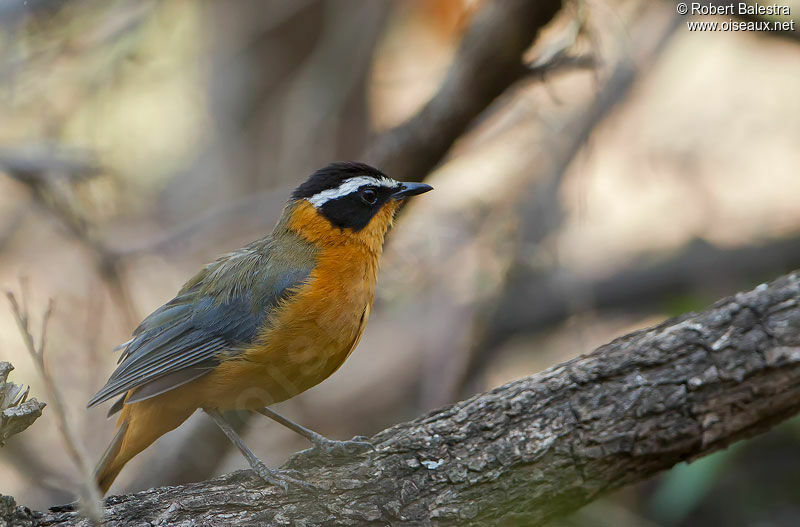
{"points": [[411, 189]]}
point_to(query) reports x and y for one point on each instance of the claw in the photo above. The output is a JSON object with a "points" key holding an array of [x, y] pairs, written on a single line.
{"points": [[364, 442], [273, 477], [324, 447]]}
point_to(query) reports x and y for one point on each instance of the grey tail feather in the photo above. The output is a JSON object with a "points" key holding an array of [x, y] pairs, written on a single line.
{"points": [[117, 406], [103, 476]]}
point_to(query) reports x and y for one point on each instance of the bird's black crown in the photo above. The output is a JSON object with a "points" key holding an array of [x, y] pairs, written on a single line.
{"points": [[332, 176]]}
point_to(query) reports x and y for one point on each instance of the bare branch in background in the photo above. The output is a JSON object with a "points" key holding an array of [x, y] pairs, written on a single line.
{"points": [[539, 447], [488, 62], [49, 177], [34, 165], [539, 300], [540, 206], [246, 212], [89, 494], [12, 11], [16, 220], [28, 462], [562, 63]]}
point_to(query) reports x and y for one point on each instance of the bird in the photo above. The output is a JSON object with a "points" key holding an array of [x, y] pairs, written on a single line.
{"points": [[261, 324]]}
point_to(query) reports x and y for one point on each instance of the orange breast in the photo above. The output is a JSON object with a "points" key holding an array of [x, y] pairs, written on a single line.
{"points": [[307, 339]]}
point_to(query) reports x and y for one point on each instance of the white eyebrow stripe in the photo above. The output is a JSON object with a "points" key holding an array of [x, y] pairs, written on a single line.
{"points": [[350, 185]]}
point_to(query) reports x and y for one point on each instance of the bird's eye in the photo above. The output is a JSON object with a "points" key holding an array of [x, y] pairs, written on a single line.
{"points": [[369, 196]]}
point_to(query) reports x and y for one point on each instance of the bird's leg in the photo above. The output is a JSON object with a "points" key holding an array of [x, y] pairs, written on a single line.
{"points": [[269, 475], [322, 445]]}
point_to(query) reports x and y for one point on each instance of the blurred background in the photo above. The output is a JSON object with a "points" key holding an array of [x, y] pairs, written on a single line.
{"points": [[634, 171]]}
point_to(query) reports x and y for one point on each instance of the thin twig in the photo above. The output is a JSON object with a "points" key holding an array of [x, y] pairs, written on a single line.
{"points": [[89, 494], [562, 63], [58, 201], [539, 204]]}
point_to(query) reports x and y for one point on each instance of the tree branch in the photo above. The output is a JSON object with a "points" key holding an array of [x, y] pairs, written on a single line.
{"points": [[489, 60], [41, 170], [540, 209], [536, 300], [90, 497], [538, 447], [37, 165], [16, 412]]}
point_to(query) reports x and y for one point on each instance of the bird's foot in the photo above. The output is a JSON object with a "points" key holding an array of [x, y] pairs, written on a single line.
{"points": [[275, 477], [329, 451], [331, 448]]}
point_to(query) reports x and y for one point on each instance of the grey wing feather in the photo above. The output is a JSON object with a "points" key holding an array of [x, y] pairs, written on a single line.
{"points": [[168, 382], [183, 339]]}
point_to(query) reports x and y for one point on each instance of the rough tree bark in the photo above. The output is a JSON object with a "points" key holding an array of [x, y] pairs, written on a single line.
{"points": [[535, 448]]}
